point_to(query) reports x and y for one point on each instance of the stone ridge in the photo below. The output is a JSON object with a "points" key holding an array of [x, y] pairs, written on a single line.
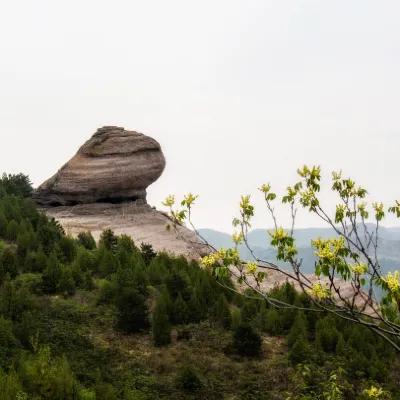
{"points": [[114, 165]]}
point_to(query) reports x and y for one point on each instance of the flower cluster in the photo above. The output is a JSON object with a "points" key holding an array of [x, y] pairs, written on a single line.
{"points": [[359, 268], [327, 249], [392, 281], [319, 291]]}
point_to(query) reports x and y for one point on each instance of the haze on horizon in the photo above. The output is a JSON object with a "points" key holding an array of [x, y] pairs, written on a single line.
{"points": [[238, 93]]}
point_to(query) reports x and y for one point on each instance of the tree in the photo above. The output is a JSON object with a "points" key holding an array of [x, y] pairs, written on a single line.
{"points": [[133, 313], [52, 274], [351, 256], [299, 329], [160, 323], [17, 185], [109, 240], [246, 341], [148, 252], [86, 240], [12, 230], [222, 311], [180, 313], [8, 258]]}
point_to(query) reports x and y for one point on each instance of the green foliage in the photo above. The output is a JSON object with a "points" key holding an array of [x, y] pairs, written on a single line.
{"points": [[147, 252], [189, 380], [16, 185], [133, 312], [161, 326], [109, 240], [180, 311], [246, 341], [223, 312], [86, 240], [12, 230]]}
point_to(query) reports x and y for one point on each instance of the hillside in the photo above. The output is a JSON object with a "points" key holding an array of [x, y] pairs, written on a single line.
{"points": [[117, 320]]}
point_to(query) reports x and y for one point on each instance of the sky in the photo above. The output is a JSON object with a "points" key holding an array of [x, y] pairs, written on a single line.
{"points": [[238, 93]]}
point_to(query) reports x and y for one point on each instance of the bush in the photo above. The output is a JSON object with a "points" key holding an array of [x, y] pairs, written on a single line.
{"points": [[246, 341], [189, 380]]}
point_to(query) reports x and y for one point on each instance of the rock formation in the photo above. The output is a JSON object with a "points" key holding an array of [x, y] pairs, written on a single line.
{"points": [[113, 166]]}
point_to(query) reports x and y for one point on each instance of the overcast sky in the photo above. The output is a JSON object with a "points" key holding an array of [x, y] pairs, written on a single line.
{"points": [[238, 93]]}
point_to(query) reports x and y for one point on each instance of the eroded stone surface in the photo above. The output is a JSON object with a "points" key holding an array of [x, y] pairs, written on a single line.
{"points": [[114, 165]]}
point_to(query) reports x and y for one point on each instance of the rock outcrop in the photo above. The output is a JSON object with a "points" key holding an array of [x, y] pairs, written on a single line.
{"points": [[140, 221], [113, 166]]}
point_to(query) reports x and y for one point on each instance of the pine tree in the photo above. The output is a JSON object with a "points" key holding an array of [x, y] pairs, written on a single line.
{"points": [[299, 329], [246, 341], [249, 311], [160, 323], [52, 274], [10, 263], [3, 224], [12, 231], [300, 352], [108, 264], [66, 285], [196, 311], [272, 322], [109, 240], [180, 311], [147, 252], [222, 311], [133, 314], [86, 240]]}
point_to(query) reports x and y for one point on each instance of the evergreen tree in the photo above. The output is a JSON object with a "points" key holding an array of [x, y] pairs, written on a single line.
{"points": [[109, 240], [133, 314], [10, 263], [147, 252], [246, 341], [236, 319], [196, 311], [86, 240], [52, 274], [160, 323], [8, 343], [108, 264], [249, 311], [12, 230], [3, 224], [299, 329], [66, 285], [300, 352], [68, 249], [180, 311], [222, 311]]}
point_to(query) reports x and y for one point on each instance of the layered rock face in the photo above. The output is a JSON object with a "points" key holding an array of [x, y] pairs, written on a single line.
{"points": [[113, 166]]}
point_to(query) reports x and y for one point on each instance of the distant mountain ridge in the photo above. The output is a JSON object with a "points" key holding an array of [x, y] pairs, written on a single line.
{"points": [[259, 241]]}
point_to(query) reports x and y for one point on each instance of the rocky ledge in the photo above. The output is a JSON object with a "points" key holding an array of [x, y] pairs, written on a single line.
{"points": [[113, 166]]}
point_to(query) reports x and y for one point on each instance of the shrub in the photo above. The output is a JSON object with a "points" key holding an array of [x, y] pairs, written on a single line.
{"points": [[246, 341], [189, 380]]}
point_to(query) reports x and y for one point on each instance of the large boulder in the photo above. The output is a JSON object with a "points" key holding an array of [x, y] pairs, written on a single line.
{"points": [[113, 166]]}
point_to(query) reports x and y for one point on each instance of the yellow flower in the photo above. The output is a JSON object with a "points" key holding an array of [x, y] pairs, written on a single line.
{"points": [[392, 281], [318, 291], [265, 188], [189, 199], [359, 268], [325, 249], [208, 261], [237, 238], [278, 234], [251, 267], [373, 392], [169, 201], [221, 253]]}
